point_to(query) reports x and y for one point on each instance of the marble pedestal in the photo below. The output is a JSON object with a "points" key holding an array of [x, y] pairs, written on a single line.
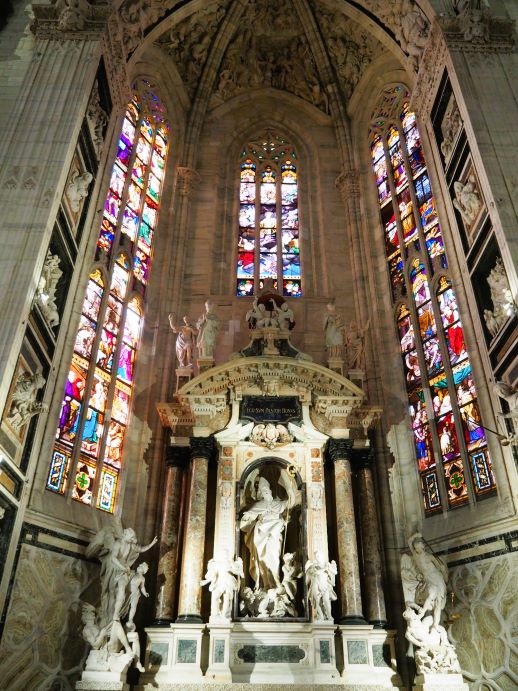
{"points": [[272, 652], [105, 671], [219, 652], [173, 655], [369, 657], [439, 682]]}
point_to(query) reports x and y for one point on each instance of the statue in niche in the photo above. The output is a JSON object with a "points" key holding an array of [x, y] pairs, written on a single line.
{"points": [[23, 401], [77, 189], [333, 328], [184, 341], [504, 306], [320, 580], [46, 292], [208, 326], [510, 395], [467, 200], [121, 588], [97, 119], [425, 579], [450, 127], [223, 578], [354, 340], [272, 568]]}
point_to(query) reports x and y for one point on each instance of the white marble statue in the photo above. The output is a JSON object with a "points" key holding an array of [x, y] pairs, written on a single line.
{"points": [[184, 341], [450, 126], [285, 317], [354, 341], [23, 401], [509, 394], [333, 328], [46, 291], [258, 317], [291, 571], [414, 32], [467, 200], [320, 580], [223, 578], [263, 524], [121, 588], [504, 305], [208, 326], [77, 189], [425, 579]]}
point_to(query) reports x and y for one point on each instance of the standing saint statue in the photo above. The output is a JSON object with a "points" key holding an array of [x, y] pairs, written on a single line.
{"points": [[208, 327], [355, 345], [333, 328], [264, 524], [184, 341]]}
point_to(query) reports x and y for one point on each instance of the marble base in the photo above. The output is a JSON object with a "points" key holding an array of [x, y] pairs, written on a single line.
{"points": [[440, 682], [369, 657], [205, 363], [105, 672], [173, 654], [219, 653]]}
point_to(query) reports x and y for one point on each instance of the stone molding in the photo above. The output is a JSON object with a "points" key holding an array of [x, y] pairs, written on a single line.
{"points": [[68, 20], [477, 31]]}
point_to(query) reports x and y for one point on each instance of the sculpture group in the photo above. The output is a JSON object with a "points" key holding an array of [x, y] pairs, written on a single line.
{"points": [[201, 336], [425, 579], [340, 338]]}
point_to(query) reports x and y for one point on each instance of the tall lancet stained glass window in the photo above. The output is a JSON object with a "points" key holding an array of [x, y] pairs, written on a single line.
{"points": [[268, 225], [452, 455], [87, 456]]}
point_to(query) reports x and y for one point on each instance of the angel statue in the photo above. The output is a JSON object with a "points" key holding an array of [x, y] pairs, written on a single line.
{"points": [[223, 578], [425, 579], [117, 550], [320, 580]]}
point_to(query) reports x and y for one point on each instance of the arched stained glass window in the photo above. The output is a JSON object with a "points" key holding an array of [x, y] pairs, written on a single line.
{"points": [[87, 456], [268, 231], [453, 460]]}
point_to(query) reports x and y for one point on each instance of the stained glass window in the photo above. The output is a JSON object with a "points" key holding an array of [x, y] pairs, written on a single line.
{"points": [[268, 224], [452, 456], [87, 456]]}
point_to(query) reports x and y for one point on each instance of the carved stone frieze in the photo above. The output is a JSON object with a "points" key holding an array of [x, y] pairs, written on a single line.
{"points": [[476, 30], [72, 19], [188, 42], [431, 69]]}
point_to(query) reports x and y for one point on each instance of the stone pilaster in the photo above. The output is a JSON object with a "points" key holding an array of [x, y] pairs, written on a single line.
{"points": [[176, 459], [370, 538], [189, 601], [351, 611]]}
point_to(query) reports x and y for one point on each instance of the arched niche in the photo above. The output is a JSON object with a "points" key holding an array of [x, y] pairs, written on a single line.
{"points": [[273, 587]]}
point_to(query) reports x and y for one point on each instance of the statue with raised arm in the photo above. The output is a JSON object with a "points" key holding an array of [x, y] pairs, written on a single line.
{"points": [[223, 578], [320, 580], [208, 327], [425, 579], [184, 341]]}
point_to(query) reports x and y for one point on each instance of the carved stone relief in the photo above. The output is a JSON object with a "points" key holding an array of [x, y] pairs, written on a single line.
{"points": [[450, 127]]}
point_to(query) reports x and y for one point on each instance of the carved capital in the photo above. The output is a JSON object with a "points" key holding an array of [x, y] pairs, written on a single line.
{"points": [[186, 181], [177, 456], [202, 447], [348, 184], [339, 449], [362, 458]]}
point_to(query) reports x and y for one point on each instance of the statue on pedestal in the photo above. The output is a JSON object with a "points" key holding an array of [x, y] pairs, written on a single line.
{"points": [[23, 400], [333, 328], [320, 580], [184, 341], [121, 588], [208, 327], [355, 345], [425, 579], [223, 577]]}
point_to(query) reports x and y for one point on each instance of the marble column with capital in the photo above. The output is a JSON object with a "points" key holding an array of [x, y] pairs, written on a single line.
{"points": [[351, 611], [189, 600], [177, 459], [370, 538]]}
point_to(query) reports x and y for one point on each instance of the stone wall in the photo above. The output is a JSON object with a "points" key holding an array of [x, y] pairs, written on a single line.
{"points": [[42, 647], [486, 631]]}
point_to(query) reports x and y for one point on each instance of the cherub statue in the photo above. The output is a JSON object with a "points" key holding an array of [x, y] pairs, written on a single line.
{"points": [[320, 580], [223, 578], [23, 401], [285, 317], [290, 572]]}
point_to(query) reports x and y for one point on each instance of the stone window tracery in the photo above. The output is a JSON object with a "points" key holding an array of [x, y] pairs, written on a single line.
{"points": [[453, 459], [87, 456], [268, 225]]}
